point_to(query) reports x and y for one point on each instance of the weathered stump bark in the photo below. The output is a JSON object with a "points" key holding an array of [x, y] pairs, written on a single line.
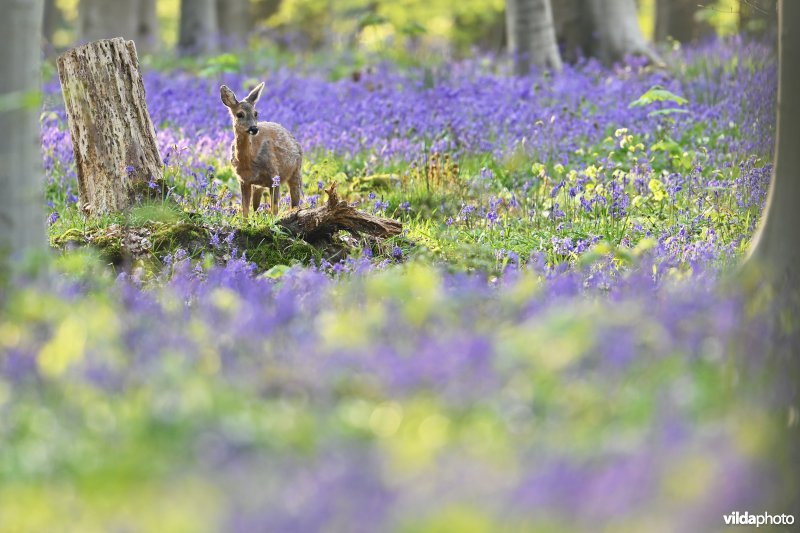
{"points": [[113, 138], [321, 222]]}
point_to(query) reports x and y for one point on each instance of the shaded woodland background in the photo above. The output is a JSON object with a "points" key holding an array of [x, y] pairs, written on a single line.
{"points": [[459, 26]]}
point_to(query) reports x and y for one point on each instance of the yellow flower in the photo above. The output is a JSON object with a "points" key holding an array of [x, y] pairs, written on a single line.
{"points": [[657, 188]]}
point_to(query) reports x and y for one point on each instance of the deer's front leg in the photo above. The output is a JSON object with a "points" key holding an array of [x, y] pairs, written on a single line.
{"points": [[258, 192], [276, 197], [246, 191]]}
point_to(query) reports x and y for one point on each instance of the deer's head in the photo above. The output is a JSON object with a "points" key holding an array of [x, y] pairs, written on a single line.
{"points": [[243, 114]]}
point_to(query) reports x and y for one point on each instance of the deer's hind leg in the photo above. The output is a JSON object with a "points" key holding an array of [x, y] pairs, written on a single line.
{"points": [[258, 192]]}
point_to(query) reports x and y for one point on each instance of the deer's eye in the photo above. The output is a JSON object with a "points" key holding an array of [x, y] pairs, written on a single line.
{"points": [[240, 114], [255, 114]]}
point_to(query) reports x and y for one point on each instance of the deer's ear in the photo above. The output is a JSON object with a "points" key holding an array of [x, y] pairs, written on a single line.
{"points": [[255, 94], [228, 98]]}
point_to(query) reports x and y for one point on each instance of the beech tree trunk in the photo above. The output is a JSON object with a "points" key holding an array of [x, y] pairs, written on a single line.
{"points": [[113, 138], [129, 19], [574, 27], [322, 222], [235, 22], [263, 9], [146, 36], [776, 245], [22, 225], [758, 17], [104, 19], [53, 19], [198, 31], [618, 32], [675, 18], [531, 35]]}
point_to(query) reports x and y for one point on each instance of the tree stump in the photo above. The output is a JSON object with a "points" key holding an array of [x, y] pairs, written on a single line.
{"points": [[113, 138], [321, 222]]}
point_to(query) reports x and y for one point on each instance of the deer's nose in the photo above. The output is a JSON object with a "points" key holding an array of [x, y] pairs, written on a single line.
{"points": [[253, 130]]}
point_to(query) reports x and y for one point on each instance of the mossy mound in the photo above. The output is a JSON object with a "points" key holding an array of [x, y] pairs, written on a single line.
{"points": [[265, 245]]}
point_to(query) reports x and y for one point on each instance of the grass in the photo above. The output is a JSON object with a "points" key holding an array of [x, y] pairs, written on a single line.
{"points": [[463, 214]]}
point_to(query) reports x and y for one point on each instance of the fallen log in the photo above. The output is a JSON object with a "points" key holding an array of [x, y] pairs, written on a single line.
{"points": [[317, 223]]}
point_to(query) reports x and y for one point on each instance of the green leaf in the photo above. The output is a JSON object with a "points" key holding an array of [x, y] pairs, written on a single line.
{"points": [[372, 19], [666, 145], [277, 271], [657, 93], [413, 29], [667, 111]]}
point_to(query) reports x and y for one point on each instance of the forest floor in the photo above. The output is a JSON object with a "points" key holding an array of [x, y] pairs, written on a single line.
{"points": [[553, 343]]}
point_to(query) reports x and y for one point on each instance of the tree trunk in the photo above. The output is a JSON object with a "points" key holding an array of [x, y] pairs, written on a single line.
{"points": [[618, 32], [199, 31], [531, 35], [53, 20], [104, 19], [113, 138], [22, 226], [574, 28], [235, 22], [322, 222], [675, 18], [777, 243], [147, 40], [758, 17], [264, 9]]}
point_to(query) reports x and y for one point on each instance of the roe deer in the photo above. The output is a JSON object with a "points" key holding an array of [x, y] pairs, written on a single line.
{"points": [[261, 152]]}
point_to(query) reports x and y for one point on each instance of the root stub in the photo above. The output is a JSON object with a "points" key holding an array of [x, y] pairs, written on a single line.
{"points": [[322, 222]]}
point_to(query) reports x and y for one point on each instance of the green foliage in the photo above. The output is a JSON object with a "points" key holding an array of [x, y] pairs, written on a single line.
{"points": [[657, 93], [221, 64]]}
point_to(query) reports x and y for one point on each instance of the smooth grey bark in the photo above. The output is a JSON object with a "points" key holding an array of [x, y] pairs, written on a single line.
{"points": [[776, 244], [235, 22], [574, 28], [263, 9], [198, 28], [531, 35], [675, 18], [758, 16], [53, 19], [147, 38], [106, 19], [22, 224], [617, 30]]}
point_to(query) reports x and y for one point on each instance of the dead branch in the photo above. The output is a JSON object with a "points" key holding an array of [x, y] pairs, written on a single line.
{"points": [[322, 222]]}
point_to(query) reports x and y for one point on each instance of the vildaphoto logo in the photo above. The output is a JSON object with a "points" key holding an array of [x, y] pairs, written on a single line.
{"points": [[764, 519]]}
